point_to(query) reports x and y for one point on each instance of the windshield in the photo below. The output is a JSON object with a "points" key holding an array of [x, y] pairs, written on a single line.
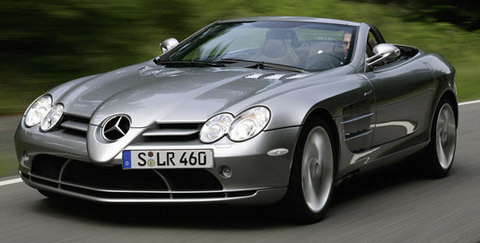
{"points": [[304, 45]]}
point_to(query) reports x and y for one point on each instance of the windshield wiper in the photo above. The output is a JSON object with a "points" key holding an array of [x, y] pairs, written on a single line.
{"points": [[262, 65], [191, 63], [223, 62]]}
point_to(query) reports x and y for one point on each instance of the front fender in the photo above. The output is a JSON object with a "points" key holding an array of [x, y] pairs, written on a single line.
{"points": [[293, 108]]}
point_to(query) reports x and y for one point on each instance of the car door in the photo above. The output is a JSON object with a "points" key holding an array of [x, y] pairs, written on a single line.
{"points": [[403, 92]]}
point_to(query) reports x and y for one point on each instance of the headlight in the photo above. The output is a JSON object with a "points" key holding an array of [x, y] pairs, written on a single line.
{"points": [[248, 124], [38, 110], [52, 117], [215, 128]]}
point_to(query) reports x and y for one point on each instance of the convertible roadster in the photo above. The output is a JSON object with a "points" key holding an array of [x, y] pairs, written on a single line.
{"points": [[245, 111]]}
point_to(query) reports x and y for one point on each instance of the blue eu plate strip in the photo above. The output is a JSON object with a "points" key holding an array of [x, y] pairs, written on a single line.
{"points": [[127, 159]]}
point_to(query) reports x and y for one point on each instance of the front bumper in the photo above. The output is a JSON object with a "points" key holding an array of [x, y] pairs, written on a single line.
{"points": [[256, 177]]}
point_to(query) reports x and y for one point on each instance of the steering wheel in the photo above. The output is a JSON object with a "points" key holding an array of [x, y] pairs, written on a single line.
{"points": [[324, 61]]}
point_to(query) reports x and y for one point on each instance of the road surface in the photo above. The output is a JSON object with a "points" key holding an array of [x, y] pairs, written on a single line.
{"points": [[391, 205]]}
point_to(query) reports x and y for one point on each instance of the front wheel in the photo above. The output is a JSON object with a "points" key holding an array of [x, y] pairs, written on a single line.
{"points": [[441, 150], [312, 175]]}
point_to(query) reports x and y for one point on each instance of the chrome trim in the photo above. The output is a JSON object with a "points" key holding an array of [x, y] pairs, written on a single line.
{"points": [[140, 191], [139, 200], [170, 132], [356, 118], [60, 174], [226, 194], [116, 127], [164, 180], [348, 138], [43, 178]]}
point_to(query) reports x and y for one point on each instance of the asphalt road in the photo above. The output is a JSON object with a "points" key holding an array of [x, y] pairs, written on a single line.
{"points": [[392, 205]]}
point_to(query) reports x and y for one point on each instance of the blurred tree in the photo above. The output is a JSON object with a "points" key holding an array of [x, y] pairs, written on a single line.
{"points": [[44, 43], [81, 37], [463, 13]]}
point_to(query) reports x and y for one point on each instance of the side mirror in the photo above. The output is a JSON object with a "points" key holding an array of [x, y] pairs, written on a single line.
{"points": [[383, 52], [168, 44]]}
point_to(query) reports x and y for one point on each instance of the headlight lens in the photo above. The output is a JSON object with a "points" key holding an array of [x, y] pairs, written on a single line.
{"points": [[216, 128], [249, 124], [52, 118], [38, 111]]}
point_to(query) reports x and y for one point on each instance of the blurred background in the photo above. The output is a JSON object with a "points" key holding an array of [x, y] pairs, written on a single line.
{"points": [[45, 43]]}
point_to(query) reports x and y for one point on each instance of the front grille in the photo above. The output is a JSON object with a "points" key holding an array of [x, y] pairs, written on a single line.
{"points": [[115, 183], [78, 126], [75, 125], [173, 132]]}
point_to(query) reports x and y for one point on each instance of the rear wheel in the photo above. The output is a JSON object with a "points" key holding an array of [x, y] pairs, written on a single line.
{"points": [[441, 150], [312, 173]]}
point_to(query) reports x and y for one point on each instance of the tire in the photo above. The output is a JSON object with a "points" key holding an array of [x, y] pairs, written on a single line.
{"points": [[440, 152], [312, 174]]}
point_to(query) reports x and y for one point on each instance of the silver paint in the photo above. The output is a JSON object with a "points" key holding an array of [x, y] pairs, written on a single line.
{"points": [[378, 108]]}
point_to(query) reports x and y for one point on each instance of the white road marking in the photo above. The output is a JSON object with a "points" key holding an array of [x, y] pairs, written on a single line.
{"points": [[469, 102], [9, 182], [18, 180]]}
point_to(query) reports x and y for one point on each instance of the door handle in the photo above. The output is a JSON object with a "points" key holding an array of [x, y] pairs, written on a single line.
{"points": [[368, 93]]}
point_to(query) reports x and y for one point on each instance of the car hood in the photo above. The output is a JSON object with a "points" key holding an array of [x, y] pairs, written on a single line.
{"points": [[149, 93]]}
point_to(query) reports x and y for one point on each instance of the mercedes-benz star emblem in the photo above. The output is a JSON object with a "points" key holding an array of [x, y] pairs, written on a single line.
{"points": [[116, 127]]}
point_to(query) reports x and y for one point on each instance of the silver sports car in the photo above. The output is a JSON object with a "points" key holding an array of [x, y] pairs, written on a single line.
{"points": [[244, 111]]}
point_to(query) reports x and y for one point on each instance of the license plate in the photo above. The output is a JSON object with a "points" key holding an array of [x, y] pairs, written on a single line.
{"points": [[167, 159]]}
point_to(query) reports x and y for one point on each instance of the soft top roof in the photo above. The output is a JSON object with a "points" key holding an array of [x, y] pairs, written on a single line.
{"points": [[293, 18]]}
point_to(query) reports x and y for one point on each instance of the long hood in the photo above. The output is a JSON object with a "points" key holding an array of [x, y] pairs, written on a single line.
{"points": [[149, 93]]}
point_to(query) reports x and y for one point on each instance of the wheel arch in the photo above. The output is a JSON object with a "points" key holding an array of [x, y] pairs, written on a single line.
{"points": [[449, 95], [326, 116]]}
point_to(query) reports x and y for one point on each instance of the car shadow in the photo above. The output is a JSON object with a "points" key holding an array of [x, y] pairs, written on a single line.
{"points": [[377, 181], [214, 217]]}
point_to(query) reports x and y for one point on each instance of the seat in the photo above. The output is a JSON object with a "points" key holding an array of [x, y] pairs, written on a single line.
{"points": [[277, 48]]}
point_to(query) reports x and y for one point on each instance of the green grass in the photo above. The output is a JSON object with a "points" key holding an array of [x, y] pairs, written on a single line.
{"points": [[8, 164]]}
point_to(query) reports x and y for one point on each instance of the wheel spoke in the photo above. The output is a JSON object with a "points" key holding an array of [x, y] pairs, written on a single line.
{"points": [[317, 169], [445, 136]]}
